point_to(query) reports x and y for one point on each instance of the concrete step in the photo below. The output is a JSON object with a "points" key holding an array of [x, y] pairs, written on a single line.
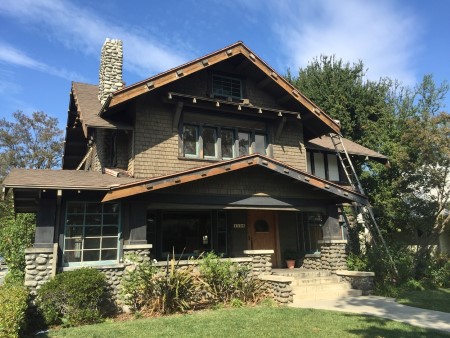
{"points": [[316, 280], [298, 298], [301, 273]]}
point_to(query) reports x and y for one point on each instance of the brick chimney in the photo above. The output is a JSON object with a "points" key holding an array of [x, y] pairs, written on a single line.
{"points": [[110, 75]]}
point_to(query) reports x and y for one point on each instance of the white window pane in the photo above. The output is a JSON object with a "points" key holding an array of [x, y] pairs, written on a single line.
{"points": [[333, 170], [319, 166]]}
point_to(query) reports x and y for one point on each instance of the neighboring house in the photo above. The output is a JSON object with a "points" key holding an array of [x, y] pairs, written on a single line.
{"points": [[220, 153]]}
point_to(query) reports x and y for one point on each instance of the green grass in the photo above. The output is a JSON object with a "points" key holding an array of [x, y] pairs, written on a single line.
{"points": [[252, 322], [438, 300]]}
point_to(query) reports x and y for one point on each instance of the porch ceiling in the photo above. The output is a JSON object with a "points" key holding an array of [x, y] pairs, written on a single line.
{"points": [[235, 165]]}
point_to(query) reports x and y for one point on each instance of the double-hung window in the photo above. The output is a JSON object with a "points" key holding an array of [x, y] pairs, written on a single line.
{"points": [[91, 233]]}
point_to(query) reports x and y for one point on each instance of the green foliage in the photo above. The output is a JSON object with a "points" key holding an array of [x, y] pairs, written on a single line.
{"points": [[13, 305], [438, 271], [138, 286], [227, 281], [16, 234], [177, 290], [161, 291], [74, 297], [357, 262], [30, 142]]}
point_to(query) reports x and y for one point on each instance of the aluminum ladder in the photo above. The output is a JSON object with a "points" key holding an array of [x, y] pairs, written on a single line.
{"points": [[365, 210]]}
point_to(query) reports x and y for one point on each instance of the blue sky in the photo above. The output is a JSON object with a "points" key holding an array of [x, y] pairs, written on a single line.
{"points": [[46, 44]]}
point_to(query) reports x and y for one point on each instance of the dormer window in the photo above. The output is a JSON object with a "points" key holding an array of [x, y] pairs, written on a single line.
{"points": [[226, 87]]}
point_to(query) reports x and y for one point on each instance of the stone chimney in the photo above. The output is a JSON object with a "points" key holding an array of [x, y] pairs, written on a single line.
{"points": [[110, 75]]}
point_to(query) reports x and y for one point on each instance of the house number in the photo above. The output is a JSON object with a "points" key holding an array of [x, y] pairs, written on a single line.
{"points": [[239, 226]]}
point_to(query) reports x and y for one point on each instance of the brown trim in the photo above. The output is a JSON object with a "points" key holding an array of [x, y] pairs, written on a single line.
{"points": [[223, 167]]}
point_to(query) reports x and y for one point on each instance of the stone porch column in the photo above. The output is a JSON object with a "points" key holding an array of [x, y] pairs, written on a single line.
{"points": [[333, 254], [261, 261]]}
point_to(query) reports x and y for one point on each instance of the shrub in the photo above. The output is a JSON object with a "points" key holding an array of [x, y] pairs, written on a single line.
{"points": [[227, 282], [74, 298], [438, 271], [178, 290], [138, 286], [148, 289], [13, 305]]}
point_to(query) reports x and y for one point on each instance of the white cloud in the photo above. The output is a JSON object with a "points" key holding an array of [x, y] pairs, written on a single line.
{"points": [[383, 36], [80, 29], [11, 55]]}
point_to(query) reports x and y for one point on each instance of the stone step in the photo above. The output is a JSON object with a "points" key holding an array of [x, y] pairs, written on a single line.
{"points": [[320, 287]]}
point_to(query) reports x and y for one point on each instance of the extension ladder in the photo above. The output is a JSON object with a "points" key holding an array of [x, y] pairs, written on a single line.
{"points": [[364, 210]]}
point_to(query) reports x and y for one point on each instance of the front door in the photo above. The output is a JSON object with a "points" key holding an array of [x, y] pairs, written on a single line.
{"points": [[261, 231]]}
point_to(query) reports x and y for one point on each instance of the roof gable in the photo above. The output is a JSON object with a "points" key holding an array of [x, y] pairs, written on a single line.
{"points": [[237, 164], [327, 124]]}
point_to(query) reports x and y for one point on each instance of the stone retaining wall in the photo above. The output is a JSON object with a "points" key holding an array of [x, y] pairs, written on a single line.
{"points": [[360, 280], [280, 288]]}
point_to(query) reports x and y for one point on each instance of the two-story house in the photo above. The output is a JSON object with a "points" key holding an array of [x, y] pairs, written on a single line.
{"points": [[220, 153]]}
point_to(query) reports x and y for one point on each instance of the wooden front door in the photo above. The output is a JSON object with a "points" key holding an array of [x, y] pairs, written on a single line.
{"points": [[261, 231]]}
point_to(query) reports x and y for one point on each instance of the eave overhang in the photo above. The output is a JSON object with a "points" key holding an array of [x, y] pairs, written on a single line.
{"points": [[162, 79], [177, 179]]}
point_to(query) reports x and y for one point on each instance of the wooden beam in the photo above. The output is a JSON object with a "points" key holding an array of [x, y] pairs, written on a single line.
{"points": [[177, 115]]}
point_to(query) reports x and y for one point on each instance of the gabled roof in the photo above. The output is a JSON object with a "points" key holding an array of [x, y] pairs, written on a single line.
{"points": [[224, 167], [199, 64], [325, 144]]}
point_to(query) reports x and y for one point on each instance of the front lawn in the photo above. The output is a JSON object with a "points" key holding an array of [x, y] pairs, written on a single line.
{"points": [[438, 300], [252, 322]]}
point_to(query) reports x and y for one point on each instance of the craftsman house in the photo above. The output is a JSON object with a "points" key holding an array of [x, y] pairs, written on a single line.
{"points": [[220, 153]]}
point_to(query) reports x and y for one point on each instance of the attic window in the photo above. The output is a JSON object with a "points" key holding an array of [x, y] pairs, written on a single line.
{"points": [[226, 87]]}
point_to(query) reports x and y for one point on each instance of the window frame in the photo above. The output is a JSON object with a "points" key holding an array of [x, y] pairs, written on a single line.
{"points": [[82, 238], [252, 133], [231, 79]]}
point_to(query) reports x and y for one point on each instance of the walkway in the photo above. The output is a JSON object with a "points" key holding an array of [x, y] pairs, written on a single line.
{"points": [[383, 307]]}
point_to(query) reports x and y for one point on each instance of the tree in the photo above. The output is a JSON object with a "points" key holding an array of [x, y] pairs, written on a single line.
{"points": [[344, 93], [404, 123], [26, 142], [30, 142]]}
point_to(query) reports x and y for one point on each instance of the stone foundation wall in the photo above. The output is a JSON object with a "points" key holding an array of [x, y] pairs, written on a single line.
{"points": [[39, 267], [333, 255], [279, 288]]}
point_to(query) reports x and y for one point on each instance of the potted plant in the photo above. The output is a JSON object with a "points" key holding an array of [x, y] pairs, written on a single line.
{"points": [[290, 256]]}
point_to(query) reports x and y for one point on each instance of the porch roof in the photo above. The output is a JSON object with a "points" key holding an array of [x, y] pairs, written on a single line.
{"points": [[324, 143], [224, 167]]}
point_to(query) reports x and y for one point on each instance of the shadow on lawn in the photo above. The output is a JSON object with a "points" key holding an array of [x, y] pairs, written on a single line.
{"points": [[379, 329]]}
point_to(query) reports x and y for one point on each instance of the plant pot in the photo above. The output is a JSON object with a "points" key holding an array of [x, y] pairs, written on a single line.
{"points": [[290, 263]]}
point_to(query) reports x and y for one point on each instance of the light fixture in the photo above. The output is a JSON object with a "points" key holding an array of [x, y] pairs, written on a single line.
{"points": [[170, 96], [299, 117], [217, 104], [279, 114], [239, 107], [259, 111], [194, 100]]}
